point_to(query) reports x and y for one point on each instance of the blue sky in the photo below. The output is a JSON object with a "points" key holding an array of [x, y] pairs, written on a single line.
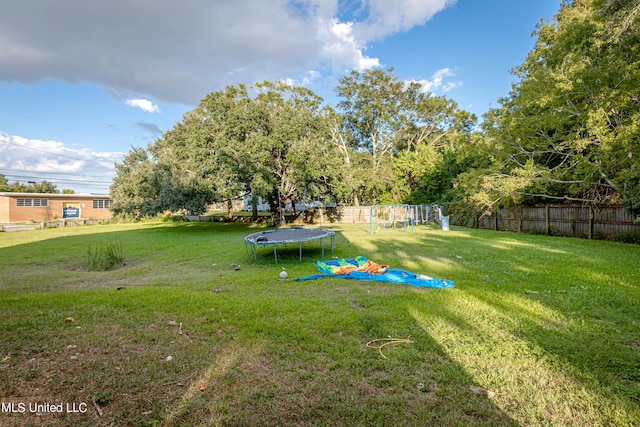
{"points": [[82, 82]]}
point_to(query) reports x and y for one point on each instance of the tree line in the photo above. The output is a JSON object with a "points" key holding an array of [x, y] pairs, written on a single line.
{"points": [[30, 187], [569, 130]]}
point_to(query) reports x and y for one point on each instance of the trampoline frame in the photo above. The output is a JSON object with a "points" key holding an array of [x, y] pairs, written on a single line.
{"points": [[252, 240]]}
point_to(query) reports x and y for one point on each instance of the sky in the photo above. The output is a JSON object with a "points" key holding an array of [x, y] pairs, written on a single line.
{"points": [[82, 82]]}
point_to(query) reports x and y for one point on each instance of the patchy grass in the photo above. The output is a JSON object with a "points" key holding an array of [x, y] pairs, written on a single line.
{"points": [[538, 331]]}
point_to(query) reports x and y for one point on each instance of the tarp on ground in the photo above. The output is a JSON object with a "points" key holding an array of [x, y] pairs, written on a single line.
{"points": [[360, 268]]}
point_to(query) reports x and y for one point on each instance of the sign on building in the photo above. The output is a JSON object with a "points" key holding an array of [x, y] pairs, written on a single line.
{"points": [[70, 210]]}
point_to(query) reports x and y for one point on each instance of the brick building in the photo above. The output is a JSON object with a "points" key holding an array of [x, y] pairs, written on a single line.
{"points": [[19, 207]]}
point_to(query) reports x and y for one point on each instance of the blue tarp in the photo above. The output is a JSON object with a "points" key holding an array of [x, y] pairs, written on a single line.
{"points": [[347, 269]]}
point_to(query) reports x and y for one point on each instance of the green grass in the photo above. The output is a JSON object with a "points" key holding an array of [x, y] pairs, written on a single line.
{"points": [[105, 257], [547, 326]]}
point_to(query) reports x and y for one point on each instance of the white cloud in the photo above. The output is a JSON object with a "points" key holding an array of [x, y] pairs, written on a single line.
{"points": [[342, 47], [170, 51], [307, 79], [386, 17], [143, 104], [344, 43], [83, 170], [437, 81], [451, 85], [180, 51], [310, 77]]}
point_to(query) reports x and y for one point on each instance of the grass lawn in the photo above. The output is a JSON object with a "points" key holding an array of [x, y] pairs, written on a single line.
{"points": [[538, 330]]}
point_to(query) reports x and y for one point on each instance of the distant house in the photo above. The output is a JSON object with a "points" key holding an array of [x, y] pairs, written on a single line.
{"points": [[20, 207], [301, 205], [224, 206], [261, 204]]}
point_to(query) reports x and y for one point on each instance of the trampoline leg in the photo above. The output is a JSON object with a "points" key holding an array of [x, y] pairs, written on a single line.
{"points": [[300, 251], [275, 254], [322, 241], [246, 249], [332, 237]]}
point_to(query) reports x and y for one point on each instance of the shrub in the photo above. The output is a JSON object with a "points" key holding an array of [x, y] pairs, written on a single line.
{"points": [[629, 237], [105, 257], [169, 217]]}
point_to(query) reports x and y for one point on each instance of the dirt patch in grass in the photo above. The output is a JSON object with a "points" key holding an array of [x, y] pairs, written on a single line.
{"points": [[140, 368], [129, 374]]}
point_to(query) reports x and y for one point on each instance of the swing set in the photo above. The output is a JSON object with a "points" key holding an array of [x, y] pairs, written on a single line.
{"points": [[405, 216]]}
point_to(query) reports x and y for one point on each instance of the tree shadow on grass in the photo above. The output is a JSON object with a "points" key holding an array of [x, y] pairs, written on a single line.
{"points": [[560, 308], [318, 370]]}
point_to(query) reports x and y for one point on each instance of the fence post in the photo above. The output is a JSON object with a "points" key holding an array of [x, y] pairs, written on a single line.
{"points": [[371, 220], [572, 223], [590, 222], [547, 223], [520, 219]]}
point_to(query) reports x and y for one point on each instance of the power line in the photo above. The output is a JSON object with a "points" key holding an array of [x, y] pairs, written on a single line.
{"points": [[35, 119], [101, 187], [44, 121], [54, 154], [36, 178], [9, 170]]}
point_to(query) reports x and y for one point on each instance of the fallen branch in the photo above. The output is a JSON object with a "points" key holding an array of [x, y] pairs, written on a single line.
{"points": [[95, 405]]}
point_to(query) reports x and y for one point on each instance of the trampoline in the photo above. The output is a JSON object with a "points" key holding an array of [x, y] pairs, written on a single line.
{"points": [[284, 236]]}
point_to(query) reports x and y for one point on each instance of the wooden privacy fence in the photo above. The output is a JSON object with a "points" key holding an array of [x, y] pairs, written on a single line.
{"points": [[362, 214], [602, 222], [339, 214], [328, 215], [566, 220]]}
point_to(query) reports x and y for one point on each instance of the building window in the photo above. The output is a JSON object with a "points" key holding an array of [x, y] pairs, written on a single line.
{"points": [[102, 204], [33, 202]]}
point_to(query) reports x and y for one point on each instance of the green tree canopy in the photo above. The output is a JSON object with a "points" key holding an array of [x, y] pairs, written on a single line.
{"points": [[4, 183], [275, 145], [372, 105], [135, 188], [569, 129], [31, 187], [44, 187], [400, 136]]}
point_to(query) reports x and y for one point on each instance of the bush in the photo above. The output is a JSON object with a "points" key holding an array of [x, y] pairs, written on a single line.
{"points": [[630, 237], [106, 257], [169, 217]]}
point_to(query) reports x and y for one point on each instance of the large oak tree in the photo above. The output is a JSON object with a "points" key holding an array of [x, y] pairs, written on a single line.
{"points": [[275, 144]]}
